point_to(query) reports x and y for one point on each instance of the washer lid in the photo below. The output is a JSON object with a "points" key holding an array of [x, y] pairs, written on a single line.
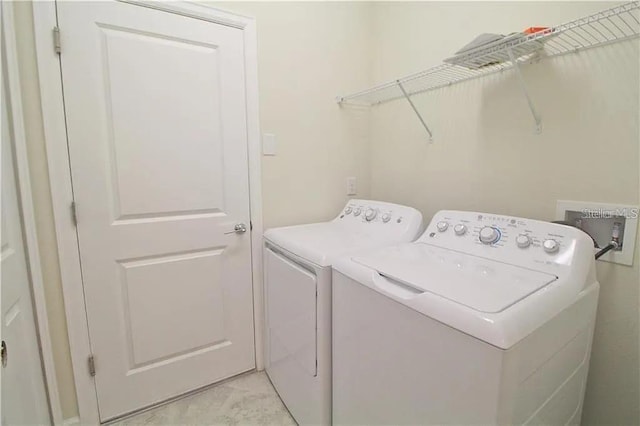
{"points": [[478, 283]]}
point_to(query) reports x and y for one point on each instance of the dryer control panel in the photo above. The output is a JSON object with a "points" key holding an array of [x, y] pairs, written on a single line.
{"points": [[514, 240], [381, 216]]}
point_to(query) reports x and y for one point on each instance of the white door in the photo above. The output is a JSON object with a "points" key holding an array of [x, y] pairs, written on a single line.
{"points": [[156, 120], [24, 399]]}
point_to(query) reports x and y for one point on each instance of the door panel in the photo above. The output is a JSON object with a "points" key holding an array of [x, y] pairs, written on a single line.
{"points": [[174, 312], [185, 100], [155, 107], [24, 399]]}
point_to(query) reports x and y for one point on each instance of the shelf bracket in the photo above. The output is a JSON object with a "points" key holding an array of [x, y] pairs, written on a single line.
{"points": [[408, 98], [536, 116]]}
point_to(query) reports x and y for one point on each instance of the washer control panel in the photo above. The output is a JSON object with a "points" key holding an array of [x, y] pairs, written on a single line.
{"points": [[510, 239]]}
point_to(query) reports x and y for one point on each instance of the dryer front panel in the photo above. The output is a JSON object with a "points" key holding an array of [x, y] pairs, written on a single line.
{"points": [[291, 313]]}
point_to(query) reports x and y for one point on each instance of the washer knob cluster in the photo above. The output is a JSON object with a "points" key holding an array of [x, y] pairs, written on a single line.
{"points": [[492, 234]]}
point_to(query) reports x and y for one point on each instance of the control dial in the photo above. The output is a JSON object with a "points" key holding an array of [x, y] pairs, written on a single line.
{"points": [[348, 210], [460, 229], [550, 246], [442, 226], [357, 211], [386, 217], [489, 235], [370, 214], [523, 241]]}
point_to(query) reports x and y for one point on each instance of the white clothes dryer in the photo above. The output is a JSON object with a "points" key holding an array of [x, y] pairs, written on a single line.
{"points": [[297, 282], [485, 319]]}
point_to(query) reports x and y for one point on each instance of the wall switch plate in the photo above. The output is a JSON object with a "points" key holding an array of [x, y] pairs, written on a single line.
{"points": [[352, 185], [599, 220], [269, 144]]}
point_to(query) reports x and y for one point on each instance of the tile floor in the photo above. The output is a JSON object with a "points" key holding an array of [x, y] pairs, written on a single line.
{"points": [[246, 400]]}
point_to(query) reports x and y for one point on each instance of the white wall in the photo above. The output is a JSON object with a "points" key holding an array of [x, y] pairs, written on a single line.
{"points": [[486, 158], [307, 54]]}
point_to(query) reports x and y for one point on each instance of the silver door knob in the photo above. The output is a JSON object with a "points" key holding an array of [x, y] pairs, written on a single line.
{"points": [[239, 228], [4, 354]]}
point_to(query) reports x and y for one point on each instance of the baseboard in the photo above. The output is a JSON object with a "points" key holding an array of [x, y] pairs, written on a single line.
{"points": [[71, 421]]}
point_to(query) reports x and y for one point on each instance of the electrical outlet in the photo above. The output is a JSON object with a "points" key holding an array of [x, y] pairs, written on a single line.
{"points": [[352, 185]]}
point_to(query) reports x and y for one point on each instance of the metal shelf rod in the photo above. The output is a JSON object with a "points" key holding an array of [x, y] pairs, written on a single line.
{"points": [[523, 85], [406, 95]]}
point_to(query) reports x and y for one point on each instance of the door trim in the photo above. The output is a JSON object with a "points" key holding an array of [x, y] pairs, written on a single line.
{"points": [[44, 14], [14, 101]]}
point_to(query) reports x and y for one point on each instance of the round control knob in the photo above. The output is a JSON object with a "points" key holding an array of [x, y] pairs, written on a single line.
{"points": [[442, 226], [370, 214], [348, 210], [523, 241], [550, 246], [460, 229], [386, 217], [357, 211], [489, 235]]}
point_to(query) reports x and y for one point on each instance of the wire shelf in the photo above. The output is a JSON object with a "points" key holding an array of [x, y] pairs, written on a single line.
{"points": [[609, 26]]}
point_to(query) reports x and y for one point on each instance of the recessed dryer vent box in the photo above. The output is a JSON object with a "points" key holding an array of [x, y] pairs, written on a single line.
{"points": [[604, 222]]}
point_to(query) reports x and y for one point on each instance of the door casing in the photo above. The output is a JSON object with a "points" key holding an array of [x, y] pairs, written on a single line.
{"points": [[44, 14], [14, 100]]}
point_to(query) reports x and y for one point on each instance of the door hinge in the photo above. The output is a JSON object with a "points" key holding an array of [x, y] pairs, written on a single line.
{"points": [[250, 226], [57, 47], [74, 213], [92, 365]]}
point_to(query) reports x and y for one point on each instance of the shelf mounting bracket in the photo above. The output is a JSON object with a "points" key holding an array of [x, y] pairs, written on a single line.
{"points": [[536, 116], [408, 98]]}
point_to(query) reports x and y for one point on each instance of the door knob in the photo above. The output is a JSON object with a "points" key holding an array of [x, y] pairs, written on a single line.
{"points": [[4, 354], [239, 228]]}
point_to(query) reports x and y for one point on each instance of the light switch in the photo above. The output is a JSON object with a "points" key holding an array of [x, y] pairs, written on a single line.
{"points": [[269, 144]]}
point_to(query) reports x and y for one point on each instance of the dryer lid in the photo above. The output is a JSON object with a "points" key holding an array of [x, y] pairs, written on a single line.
{"points": [[475, 282], [321, 243]]}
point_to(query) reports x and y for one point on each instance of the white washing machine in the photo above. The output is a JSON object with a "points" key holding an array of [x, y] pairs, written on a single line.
{"points": [[297, 280], [485, 319]]}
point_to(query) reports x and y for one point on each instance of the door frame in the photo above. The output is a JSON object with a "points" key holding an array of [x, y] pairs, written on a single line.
{"points": [[49, 72], [27, 212]]}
